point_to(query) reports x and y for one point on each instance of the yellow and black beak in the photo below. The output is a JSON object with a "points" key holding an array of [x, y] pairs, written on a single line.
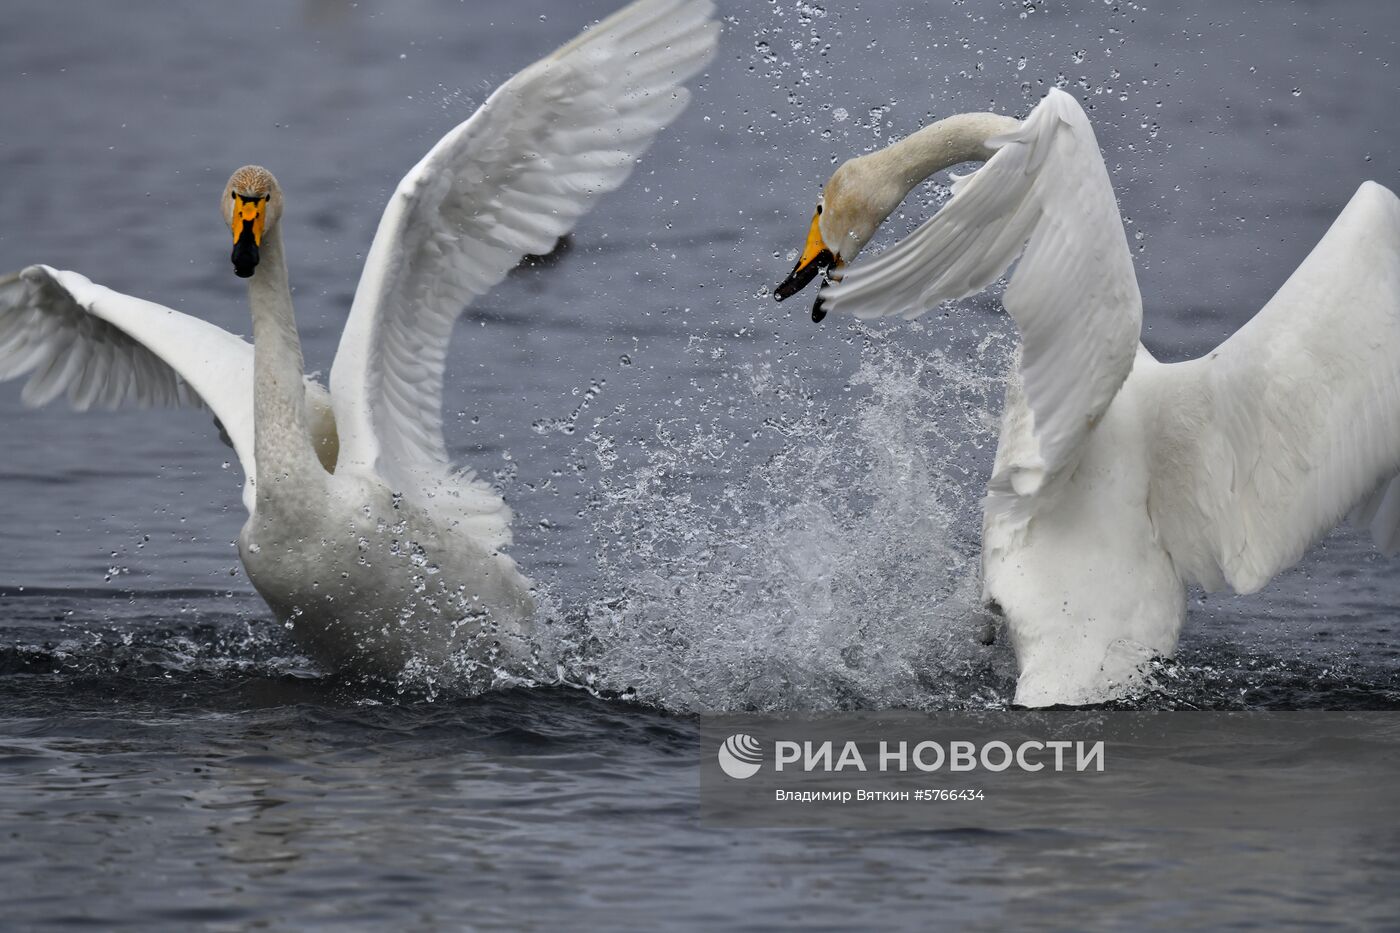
{"points": [[816, 257], [249, 216]]}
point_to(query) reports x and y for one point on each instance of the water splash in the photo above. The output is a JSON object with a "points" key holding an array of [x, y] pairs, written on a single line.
{"points": [[839, 572]]}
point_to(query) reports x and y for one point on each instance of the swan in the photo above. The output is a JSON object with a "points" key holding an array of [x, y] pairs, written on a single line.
{"points": [[360, 537], [1118, 479]]}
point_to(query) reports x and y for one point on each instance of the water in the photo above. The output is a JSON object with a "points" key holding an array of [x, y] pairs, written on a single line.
{"points": [[726, 506]]}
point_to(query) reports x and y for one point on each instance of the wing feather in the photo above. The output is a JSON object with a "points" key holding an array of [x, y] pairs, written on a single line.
{"points": [[1044, 196], [101, 347], [508, 182], [1265, 444]]}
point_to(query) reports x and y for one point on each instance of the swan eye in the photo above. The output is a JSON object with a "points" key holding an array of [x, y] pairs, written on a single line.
{"points": [[819, 210]]}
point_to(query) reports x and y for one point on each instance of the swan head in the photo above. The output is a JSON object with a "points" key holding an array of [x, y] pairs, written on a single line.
{"points": [[252, 205], [855, 201]]}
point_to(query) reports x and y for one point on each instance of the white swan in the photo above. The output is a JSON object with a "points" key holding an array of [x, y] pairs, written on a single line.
{"points": [[360, 536], [1119, 479]]}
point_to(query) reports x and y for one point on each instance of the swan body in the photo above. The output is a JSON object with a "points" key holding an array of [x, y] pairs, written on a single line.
{"points": [[1087, 587], [361, 537], [1118, 479], [371, 581]]}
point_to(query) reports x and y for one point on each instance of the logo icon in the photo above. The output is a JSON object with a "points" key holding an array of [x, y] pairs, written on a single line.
{"points": [[740, 756]]}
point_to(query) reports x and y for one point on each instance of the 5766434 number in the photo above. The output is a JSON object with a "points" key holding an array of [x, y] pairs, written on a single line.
{"points": [[948, 793]]}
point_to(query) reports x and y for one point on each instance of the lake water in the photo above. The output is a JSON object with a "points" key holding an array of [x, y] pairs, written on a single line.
{"points": [[727, 507]]}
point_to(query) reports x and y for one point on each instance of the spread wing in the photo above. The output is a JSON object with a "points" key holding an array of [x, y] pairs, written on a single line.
{"points": [[506, 183], [104, 348], [1265, 444], [1044, 196]]}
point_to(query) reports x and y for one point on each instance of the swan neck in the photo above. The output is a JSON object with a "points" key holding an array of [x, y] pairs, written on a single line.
{"points": [[282, 441], [941, 145]]}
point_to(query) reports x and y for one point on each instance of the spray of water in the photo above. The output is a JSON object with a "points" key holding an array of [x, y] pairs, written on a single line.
{"points": [[839, 571]]}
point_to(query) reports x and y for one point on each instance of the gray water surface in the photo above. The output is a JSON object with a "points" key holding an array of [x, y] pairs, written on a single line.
{"points": [[726, 506]]}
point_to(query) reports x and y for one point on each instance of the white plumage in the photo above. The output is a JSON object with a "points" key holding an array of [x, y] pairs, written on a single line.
{"points": [[105, 349], [1119, 479], [360, 533], [506, 183]]}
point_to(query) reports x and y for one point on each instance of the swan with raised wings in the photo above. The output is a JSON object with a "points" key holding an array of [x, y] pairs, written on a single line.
{"points": [[1119, 479], [361, 536]]}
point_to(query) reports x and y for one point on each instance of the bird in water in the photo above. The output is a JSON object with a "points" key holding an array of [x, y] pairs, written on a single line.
{"points": [[1119, 479], [361, 537]]}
